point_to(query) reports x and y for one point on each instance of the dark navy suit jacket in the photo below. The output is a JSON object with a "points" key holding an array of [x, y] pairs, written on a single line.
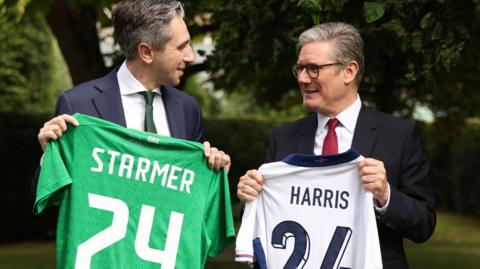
{"points": [[395, 142], [101, 98]]}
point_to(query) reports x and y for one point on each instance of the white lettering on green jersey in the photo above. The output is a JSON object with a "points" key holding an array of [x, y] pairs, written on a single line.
{"points": [[130, 199]]}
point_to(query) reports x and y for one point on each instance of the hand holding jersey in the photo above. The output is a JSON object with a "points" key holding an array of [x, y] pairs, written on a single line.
{"points": [[131, 199], [216, 158], [54, 129], [329, 71], [317, 201], [372, 176], [249, 185], [374, 179]]}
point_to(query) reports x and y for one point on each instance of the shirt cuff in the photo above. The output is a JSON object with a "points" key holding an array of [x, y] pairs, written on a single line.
{"points": [[383, 209]]}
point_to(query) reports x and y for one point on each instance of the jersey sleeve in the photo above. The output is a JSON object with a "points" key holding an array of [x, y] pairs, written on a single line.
{"points": [[219, 220], [247, 233], [373, 256], [54, 172]]}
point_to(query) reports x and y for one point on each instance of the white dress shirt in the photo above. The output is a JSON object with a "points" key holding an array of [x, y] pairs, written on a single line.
{"points": [[134, 103], [347, 122]]}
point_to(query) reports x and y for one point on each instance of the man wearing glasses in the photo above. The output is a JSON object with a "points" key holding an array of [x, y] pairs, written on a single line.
{"points": [[329, 70]]}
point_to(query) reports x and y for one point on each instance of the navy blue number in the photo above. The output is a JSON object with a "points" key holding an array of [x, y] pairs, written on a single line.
{"points": [[301, 250], [280, 235], [336, 248]]}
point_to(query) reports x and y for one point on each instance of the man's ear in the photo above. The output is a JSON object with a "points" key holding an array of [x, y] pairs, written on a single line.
{"points": [[145, 53], [350, 72]]}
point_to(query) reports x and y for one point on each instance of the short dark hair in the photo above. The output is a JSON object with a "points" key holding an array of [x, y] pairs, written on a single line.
{"points": [[137, 21]]}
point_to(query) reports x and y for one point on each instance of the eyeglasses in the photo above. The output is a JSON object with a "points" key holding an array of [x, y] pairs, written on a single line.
{"points": [[312, 69]]}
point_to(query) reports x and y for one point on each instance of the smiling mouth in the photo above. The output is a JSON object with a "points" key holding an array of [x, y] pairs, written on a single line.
{"points": [[309, 91]]}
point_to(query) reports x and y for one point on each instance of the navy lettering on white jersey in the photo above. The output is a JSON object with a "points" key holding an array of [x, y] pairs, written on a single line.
{"points": [[312, 213], [319, 197]]}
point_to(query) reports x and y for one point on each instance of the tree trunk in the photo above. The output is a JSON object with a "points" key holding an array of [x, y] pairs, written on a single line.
{"points": [[77, 38]]}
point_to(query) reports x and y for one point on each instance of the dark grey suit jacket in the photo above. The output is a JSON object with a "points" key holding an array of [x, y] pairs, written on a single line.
{"points": [[395, 142]]}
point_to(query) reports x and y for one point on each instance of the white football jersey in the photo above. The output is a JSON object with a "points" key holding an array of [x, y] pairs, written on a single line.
{"points": [[312, 213]]}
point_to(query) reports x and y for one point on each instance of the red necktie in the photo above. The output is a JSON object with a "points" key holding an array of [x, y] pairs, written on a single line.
{"points": [[330, 144]]}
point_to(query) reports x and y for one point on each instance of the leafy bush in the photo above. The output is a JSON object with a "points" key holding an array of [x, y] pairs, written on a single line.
{"points": [[245, 140], [32, 71], [20, 155]]}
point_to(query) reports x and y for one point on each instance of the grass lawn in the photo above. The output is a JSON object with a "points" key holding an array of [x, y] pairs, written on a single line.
{"points": [[28, 255], [455, 244]]}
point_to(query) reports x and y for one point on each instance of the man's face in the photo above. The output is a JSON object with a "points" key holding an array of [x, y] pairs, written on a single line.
{"points": [[328, 93], [170, 62]]}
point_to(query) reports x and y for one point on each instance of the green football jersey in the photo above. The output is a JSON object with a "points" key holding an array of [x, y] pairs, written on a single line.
{"points": [[131, 199]]}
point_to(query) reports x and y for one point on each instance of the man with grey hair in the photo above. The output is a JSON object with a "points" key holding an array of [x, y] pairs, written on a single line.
{"points": [[395, 169], [157, 46]]}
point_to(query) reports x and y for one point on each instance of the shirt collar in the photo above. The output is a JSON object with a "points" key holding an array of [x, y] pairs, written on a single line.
{"points": [[348, 117], [128, 83]]}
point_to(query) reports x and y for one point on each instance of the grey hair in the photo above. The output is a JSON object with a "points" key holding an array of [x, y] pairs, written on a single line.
{"points": [[137, 21], [348, 44]]}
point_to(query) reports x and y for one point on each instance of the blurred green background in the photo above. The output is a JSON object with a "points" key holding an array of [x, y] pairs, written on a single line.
{"points": [[421, 63]]}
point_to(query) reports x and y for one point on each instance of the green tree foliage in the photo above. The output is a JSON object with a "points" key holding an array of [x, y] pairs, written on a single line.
{"points": [[75, 24], [255, 47], [413, 48], [25, 65]]}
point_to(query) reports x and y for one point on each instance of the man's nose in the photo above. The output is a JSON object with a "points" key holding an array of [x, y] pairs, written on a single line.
{"points": [[189, 56], [303, 76]]}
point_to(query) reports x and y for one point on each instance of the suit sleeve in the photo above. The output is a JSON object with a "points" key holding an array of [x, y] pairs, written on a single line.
{"points": [[411, 211], [63, 105], [193, 119], [198, 127], [271, 151]]}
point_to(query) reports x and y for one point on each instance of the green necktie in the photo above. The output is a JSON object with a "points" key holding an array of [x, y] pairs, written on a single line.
{"points": [[149, 124]]}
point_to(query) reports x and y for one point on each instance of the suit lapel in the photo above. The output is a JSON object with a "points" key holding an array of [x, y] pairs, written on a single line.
{"points": [[175, 116], [109, 102], [365, 132], [306, 134]]}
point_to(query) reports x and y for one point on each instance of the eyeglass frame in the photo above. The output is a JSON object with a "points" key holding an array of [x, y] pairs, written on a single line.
{"points": [[316, 66]]}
